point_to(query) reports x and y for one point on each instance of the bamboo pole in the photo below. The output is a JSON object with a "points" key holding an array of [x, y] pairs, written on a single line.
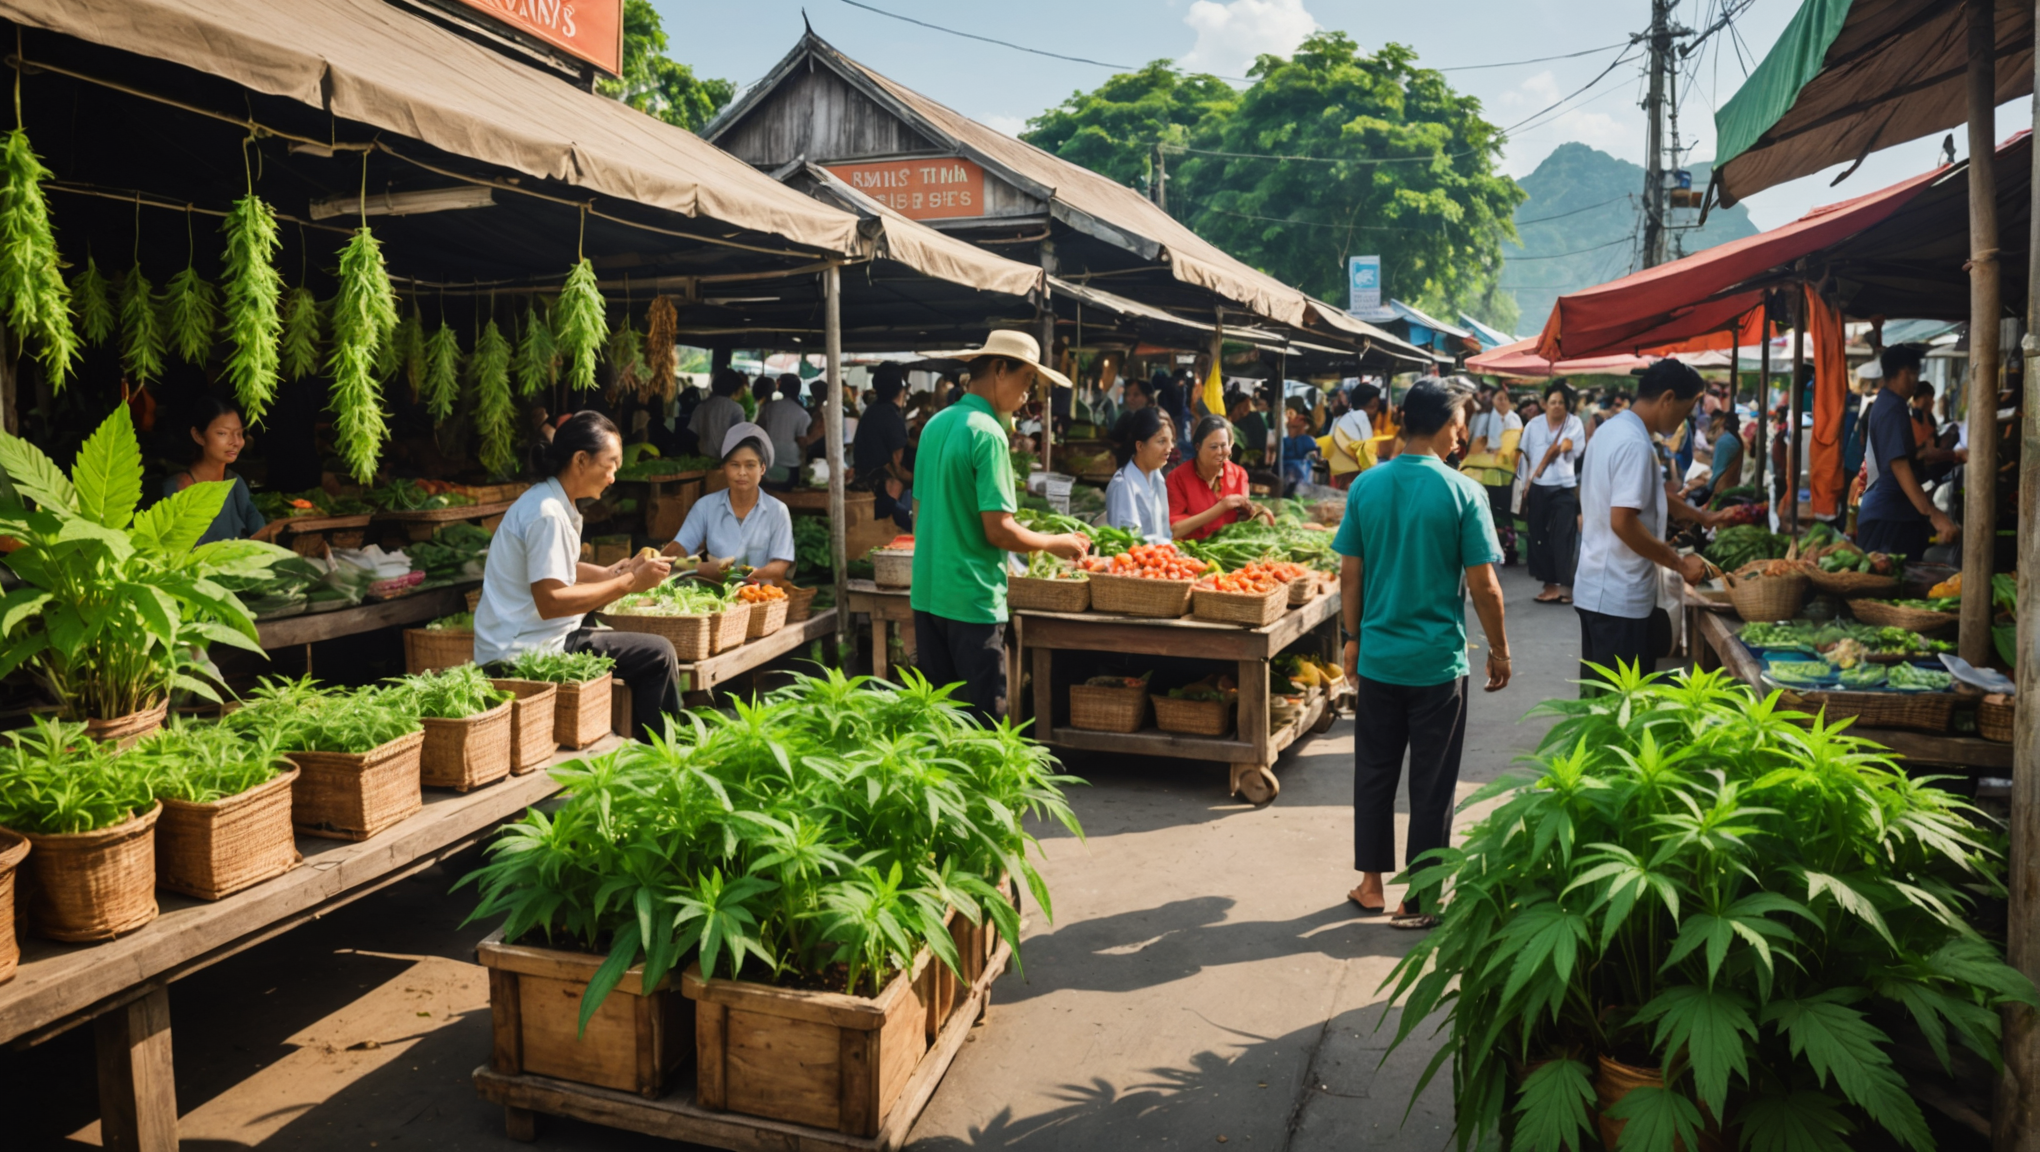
{"points": [[1979, 498], [1794, 411], [1762, 438], [832, 420]]}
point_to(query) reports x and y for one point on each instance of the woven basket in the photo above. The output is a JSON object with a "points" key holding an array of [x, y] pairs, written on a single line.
{"points": [[1882, 615], [466, 753], [1915, 711], [581, 712], [474, 599], [354, 795], [124, 731], [767, 618], [1103, 709], [800, 603], [1303, 590], [1768, 598], [1251, 609], [217, 849], [435, 649], [1032, 594], [732, 626], [1994, 716], [692, 637], [531, 723], [1139, 596], [13, 849], [85, 887], [1192, 717], [1852, 583], [892, 567]]}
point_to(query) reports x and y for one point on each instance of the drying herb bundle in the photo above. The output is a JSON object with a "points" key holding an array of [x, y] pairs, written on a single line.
{"points": [[32, 288], [301, 334], [406, 350], [192, 308], [364, 315], [580, 325], [662, 331], [537, 364], [203, 762], [495, 420], [626, 356], [451, 694], [56, 780], [92, 298], [561, 667], [254, 295], [142, 348], [442, 372]]}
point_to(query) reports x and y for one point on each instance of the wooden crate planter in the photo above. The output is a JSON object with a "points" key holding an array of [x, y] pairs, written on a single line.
{"points": [[214, 850], [531, 723], [635, 1042], [581, 713]]}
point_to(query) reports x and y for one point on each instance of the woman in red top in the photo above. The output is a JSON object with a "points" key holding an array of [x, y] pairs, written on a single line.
{"points": [[1209, 491]]}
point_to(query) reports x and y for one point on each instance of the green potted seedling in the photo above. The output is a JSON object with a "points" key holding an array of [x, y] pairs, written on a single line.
{"points": [[226, 795], [467, 727], [581, 704], [90, 817], [358, 753]]}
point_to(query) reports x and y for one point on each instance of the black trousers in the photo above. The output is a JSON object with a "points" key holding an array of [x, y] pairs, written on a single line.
{"points": [[1606, 639], [974, 654], [1907, 538], [1430, 725], [646, 665], [1554, 516]]}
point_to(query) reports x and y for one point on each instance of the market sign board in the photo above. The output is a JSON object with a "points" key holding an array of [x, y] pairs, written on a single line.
{"points": [[590, 30], [931, 189], [1363, 285]]}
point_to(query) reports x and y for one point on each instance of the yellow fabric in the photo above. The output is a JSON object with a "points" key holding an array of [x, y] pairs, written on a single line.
{"points": [[1496, 468], [1214, 391]]}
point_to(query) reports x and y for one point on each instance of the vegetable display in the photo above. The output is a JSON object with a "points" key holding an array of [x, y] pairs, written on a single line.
{"points": [[811, 549], [1737, 546], [1149, 562], [1237, 545], [457, 622], [455, 552], [561, 667], [417, 496], [674, 598], [1913, 678], [204, 762], [191, 309], [495, 418], [1801, 672], [55, 780], [759, 593], [1048, 566], [1862, 677], [252, 307]]}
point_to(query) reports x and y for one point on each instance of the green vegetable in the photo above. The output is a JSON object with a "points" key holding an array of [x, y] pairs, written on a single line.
{"points": [[142, 348], [254, 292], [537, 366], [561, 667], [495, 420], [1913, 678], [1788, 635], [676, 598], [204, 762], [304, 717], [32, 288], [649, 466], [299, 353], [2004, 592], [1801, 671], [56, 780], [442, 373], [1862, 676], [458, 622], [1048, 566], [191, 307], [1736, 546], [92, 297], [364, 315], [811, 547], [579, 325], [1937, 604], [404, 495], [1729, 496], [455, 552], [452, 693], [1107, 541]]}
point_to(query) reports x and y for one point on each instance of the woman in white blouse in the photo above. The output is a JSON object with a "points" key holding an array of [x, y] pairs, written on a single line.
{"points": [[1138, 496], [1552, 446]]}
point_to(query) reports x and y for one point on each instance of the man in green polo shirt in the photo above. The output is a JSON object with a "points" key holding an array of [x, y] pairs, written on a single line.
{"points": [[964, 526], [1416, 537]]}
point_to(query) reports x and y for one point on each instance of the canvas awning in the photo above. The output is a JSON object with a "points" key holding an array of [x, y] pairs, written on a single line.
{"points": [[1847, 78], [922, 248]]}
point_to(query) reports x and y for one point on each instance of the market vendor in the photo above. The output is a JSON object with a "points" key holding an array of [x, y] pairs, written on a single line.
{"points": [[742, 523], [1209, 491], [1138, 496], [536, 589], [1897, 516], [218, 436]]}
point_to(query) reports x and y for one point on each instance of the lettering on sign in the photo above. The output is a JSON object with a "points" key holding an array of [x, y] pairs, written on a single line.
{"points": [[920, 189], [590, 30]]}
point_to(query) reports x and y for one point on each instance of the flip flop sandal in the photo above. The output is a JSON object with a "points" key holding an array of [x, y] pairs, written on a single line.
{"points": [[1366, 909], [1415, 923]]}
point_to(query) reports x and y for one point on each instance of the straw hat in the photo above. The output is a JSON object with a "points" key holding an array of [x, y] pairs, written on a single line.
{"points": [[1015, 345]]}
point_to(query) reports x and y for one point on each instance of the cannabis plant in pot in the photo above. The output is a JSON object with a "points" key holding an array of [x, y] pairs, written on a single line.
{"points": [[114, 602], [1694, 881]]}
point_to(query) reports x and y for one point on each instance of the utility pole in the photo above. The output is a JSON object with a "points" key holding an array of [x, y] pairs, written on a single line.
{"points": [[1161, 178], [1654, 106]]}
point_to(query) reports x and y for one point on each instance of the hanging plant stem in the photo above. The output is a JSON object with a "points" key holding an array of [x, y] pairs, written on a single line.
{"points": [[301, 334], [626, 356], [36, 301], [495, 421], [442, 372], [254, 293], [142, 349], [407, 350], [537, 366], [662, 330], [92, 299], [579, 320], [364, 316], [192, 309]]}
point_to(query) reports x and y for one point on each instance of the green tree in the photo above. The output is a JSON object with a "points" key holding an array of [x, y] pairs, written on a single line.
{"points": [[1114, 129], [655, 83]]}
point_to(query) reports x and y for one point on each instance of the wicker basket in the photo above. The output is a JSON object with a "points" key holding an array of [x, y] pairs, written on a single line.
{"points": [[1303, 590], [1104, 709], [1882, 615], [732, 626], [1994, 716], [124, 731], [1139, 596], [217, 849], [85, 887], [13, 849], [1192, 717], [892, 567], [474, 599], [1768, 598], [1033, 594], [1852, 583], [1251, 609], [1915, 711], [692, 637], [466, 753], [531, 723], [800, 603], [767, 618], [581, 712], [436, 649], [354, 795]]}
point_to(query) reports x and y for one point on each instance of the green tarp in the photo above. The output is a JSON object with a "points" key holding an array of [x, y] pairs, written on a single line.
{"points": [[1771, 89]]}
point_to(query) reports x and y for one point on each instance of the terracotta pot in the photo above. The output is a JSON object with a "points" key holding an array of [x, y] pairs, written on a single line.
{"points": [[124, 731], [13, 847], [1616, 1080]]}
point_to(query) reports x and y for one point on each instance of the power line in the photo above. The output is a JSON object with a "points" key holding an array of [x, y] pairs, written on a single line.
{"points": [[1013, 46], [1574, 212], [1537, 60], [1507, 259]]}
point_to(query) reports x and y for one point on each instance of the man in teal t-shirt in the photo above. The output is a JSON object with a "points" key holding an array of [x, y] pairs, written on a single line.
{"points": [[964, 526], [1415, 538]]}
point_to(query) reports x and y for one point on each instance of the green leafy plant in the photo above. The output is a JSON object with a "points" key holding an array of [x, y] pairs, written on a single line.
{"points": [[113, 603], [579, 326], [54, 779], [364, 315], [92, 298], [537, 366], [560, 667], [254, 295], [451, 693], [37, 302], [191, 307], [298, 355], [675, 598], [626, 353], [822, 835], [441, 385], [304, 717], [405, 351], [495, 418], [203, 762], [458, 622], [1694, 879], [143, 346]]}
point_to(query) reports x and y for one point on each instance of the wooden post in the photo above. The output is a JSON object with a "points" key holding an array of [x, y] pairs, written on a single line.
{"points": [[1762, 439], [1794, 411], [1979, 496], [832, 420], [137, 1091], [1047, 338]]}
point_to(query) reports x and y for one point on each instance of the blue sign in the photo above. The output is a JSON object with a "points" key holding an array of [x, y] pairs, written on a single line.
{"points": [[1363, 284]]}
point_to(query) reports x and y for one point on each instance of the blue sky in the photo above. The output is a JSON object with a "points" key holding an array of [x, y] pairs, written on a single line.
{"points": [[1003, 88]]}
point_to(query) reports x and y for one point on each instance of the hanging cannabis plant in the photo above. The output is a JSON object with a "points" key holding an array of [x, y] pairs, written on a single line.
{"points": [[364, 316], [192, 308], [301, 334], [407, 350], [92, 300], [626, 356], [662, 330], [442, 372], [37, 302], [142, 348], [580, 325], [254, 320], [495, 421], [537, 366]]}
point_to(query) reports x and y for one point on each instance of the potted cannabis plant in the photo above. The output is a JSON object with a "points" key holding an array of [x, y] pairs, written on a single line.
{"points": [[114, 602], [357, 752], [581, 700], [90, 817], [467, 727], [226, 795], [1675, 927]]}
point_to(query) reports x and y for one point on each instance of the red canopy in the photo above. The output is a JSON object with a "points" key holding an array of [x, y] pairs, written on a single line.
{"points": [[1521, 359]]}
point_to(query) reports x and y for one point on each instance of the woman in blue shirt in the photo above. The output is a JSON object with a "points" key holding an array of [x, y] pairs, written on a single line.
{"points": [[1138, 496], [217, 431], [741, 524]]}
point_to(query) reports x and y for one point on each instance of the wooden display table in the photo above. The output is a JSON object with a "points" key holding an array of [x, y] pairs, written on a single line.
{"points": [[863, 530], [885, 606], [1717, 647], [122, 987], [312, 627], [704, 675], [1252, 748]]}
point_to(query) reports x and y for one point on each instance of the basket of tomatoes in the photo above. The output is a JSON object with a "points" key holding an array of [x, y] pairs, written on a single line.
{"points": [[769, 605], [1254, 597], [1148, 580]]}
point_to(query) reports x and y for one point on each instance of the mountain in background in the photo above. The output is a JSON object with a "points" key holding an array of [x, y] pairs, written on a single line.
{"points": [[1582, 224]]}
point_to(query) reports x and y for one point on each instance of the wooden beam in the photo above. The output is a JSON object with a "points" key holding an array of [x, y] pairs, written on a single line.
{"points": [[1979, 498], [137, 1091], [832, 421]]}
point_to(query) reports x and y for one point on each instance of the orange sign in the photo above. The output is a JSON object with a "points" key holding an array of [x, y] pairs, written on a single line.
{"points": [[591, 30], [920, 189]]}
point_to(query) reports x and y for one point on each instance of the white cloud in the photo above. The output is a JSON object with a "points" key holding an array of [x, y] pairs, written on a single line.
{"points": [[1229, 36], [1010, 125], [1617, 131]]}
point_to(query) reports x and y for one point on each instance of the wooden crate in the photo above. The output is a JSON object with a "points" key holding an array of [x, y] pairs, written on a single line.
{"points": [[634, 1043]]}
